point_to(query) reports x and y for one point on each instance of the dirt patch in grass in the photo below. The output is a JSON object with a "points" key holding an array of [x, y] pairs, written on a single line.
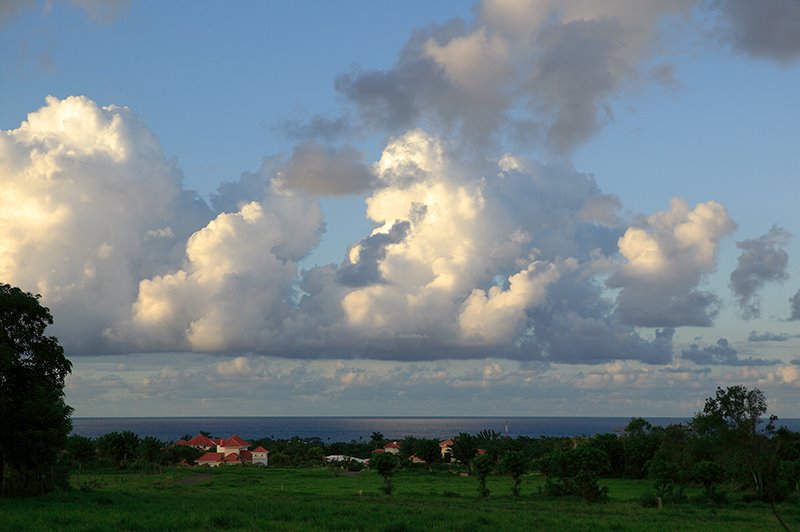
{"points": [[194, 479]]}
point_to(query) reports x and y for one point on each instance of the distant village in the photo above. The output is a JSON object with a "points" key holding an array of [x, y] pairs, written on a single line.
{"points": [[236, 451]]}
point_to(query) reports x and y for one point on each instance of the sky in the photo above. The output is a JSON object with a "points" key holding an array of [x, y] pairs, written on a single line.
{"points": [[501, 208]]}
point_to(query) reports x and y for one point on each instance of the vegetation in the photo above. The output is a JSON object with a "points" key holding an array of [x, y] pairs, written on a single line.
{"points": [[33, 415], [727, 457], [384, 464], [483, 465], [316, 498]]}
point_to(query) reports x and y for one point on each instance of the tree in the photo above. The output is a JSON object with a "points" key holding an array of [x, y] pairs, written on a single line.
{"points": [[119, 448], [614, 448], [516, 464], [729, 423], [464, 448], [150, 452], [671, 465], [81, 450], [575, 472], [385, 464], [640, 442], [428, 449], [483, 465], [707, 473], [376, 439], [33, 414]]}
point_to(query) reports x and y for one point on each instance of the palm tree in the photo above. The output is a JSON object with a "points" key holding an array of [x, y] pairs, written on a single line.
{"points": [[377, 439]]}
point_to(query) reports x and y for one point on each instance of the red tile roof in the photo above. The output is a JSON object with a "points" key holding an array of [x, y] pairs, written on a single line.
{"points": [[233, 457], [392, 445], [235, 441], [260, 449], [446, 443], [377, 450], [247, 456], [211, 457], [200, 441]]}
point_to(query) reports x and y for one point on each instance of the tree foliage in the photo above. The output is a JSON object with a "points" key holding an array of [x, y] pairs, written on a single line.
{"points": [[516, 463], [428, 449], [576, 472], [33, 414], [730, 423], [385, 464], [483, 465], [464, 448]]}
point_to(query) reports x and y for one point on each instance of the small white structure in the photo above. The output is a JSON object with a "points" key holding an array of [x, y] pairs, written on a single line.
{"points": [[336, 458], [260, 456]]}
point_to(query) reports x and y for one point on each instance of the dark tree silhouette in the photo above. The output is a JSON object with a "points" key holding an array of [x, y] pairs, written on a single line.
{"points": [[33, 415], [464, 448], [516, 463], [729, 423], [385, 464], [376, 439], [428, 449], [483, 465]]}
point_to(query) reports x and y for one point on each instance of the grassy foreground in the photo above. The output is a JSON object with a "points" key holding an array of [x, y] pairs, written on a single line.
{"points": [[236, 498]]}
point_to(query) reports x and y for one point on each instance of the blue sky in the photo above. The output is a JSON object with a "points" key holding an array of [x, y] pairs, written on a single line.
{"points": [[444, 208]]}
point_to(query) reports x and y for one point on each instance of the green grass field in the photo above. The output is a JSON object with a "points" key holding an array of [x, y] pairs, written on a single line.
{"points": [[236, 498]]}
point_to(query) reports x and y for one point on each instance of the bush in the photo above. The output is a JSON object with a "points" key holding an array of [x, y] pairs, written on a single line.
{"points": [[575, 472]]}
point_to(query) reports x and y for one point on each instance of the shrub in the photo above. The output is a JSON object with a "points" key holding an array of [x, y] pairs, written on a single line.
{"points": [[575, 472]]}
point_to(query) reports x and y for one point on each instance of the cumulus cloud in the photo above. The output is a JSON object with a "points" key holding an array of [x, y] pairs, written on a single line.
{"points": [[794, 307], [361, 266], [89, 206], [473, 252], [322, 171], [465, 259], [767, 336], [788, 375], [721, 354], [236, 286], [667, 256], [762, 29], [762, 260], [560, 67]]}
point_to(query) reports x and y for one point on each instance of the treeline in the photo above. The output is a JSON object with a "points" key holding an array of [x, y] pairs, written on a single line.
{"points": [[727, 446]]}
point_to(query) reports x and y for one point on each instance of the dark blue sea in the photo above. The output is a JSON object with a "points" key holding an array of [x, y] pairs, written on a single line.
{"points": [[345, 429]]}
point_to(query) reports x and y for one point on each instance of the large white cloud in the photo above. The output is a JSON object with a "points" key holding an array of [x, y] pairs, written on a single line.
{"points": [[667, 256], [89, 206], [467, 259], [236, 285]]}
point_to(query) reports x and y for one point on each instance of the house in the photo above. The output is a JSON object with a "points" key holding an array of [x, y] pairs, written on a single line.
{"points": [[230, 451], [204, 443], [392, 447], [446, 447]]}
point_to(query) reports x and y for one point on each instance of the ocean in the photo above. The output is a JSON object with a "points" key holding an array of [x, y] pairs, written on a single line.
{"points": [[345, 429]]}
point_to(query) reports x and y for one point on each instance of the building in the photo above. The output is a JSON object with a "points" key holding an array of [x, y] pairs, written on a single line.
{"points": [[446, 447], [392, 447], [230, 451]]}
